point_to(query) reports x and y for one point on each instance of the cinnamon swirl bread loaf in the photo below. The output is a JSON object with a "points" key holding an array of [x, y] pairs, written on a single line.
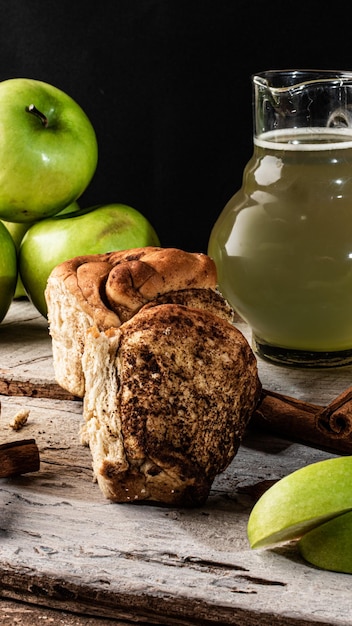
{"points": [[168, 383]]}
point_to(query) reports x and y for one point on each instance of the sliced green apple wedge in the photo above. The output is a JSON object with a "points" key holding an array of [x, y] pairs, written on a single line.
{"points": [[329, 546], [301, 501]]}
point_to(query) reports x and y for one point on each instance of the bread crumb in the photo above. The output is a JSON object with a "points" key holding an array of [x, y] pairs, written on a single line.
{"points": [[20, 419]]}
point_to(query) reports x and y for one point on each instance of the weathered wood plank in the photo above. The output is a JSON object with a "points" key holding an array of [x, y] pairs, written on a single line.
{"points": [[65, 465], [20, 613], [26, 364], [63, 546]]}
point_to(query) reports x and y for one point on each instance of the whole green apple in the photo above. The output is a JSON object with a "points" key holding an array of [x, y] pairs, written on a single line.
{"points": [[88, 231], [17, 231], [8, 270], [48, 150]]}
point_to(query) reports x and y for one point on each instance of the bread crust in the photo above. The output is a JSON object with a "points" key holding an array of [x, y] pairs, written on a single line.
{"points": [[111, 287], [183, 385], [105, 290]]}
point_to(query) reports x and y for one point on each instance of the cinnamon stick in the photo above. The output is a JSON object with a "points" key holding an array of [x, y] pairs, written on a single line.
{"points": [[327, 428], [19, 457], [289, 417], [334, 422]]}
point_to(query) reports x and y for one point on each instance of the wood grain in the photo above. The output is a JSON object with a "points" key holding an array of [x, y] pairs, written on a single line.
{"points": [[64, 548]]}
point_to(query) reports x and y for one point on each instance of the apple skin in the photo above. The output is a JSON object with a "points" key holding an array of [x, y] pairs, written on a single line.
{"points": [[8, 270], [94, 230], [301, 501], [43, 168], [329, 546], [17, 231]]}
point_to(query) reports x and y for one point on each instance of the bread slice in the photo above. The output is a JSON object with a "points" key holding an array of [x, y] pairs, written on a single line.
{"points": [[168, 396], [106, 290]]}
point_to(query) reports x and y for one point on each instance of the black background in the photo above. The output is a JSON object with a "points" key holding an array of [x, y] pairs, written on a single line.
{"points": [[166, 84]]}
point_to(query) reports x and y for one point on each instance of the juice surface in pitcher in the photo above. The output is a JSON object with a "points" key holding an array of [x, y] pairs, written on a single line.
{"points": [[283, 243]]}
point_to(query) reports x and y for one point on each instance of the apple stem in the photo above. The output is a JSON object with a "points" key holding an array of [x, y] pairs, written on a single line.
{"points": [[33, 109]]}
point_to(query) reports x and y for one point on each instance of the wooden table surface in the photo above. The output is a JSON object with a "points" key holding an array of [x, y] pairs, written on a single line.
{"points": [[69, 556]]}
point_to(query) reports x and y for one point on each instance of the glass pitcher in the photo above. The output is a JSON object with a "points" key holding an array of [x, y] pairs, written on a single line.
{"points": [[283, 243]]}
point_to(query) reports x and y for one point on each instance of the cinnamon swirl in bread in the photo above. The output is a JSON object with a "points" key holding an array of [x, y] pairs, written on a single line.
{"points": [[105, 290], [168, 396], [168, 383]]}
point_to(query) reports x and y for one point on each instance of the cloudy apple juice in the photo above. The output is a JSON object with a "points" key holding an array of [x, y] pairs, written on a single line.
{"points": [[283, 244]]}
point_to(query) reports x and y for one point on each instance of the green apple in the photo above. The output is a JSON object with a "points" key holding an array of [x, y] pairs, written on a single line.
{"points": [[301, 501], [17, 231], [8, 270], [48, 150], [88, 231], [329, 546]]}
